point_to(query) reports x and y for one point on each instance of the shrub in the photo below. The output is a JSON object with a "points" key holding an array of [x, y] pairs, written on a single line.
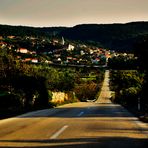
{"points": [[86, 91], [129, 95]]}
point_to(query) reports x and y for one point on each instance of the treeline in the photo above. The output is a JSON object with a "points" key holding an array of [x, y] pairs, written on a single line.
{"points": [[7, 30], [26, 87], [122, 62]]}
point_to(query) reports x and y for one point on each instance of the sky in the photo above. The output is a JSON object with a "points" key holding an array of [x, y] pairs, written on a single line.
{"points": [[49, 13]]}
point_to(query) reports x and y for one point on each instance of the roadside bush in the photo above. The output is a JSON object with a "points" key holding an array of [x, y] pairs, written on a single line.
{"points": [[129, 95], [127, 85], [86, 91]]}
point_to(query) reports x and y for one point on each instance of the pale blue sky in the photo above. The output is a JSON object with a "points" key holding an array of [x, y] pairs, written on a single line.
{"points": [[71, 12]]}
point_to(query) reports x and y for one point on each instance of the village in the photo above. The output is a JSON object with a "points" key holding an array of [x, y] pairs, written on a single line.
{"points": [[55, 51]]}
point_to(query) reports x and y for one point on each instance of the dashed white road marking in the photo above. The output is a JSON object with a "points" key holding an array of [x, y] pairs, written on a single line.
{"points": [[55, 135], [80, 114]]}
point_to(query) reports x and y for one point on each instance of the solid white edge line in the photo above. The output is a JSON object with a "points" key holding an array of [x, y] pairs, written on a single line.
{"points": [[143, 127], [54, 136]]}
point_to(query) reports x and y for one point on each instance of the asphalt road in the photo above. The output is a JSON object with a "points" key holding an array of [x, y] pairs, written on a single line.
{"points": [[99, 124]]}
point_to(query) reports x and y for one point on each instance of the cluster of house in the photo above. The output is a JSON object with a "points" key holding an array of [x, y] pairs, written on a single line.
{"points": [[80, 55], [27, 59], [20, 51], [66, 53]]}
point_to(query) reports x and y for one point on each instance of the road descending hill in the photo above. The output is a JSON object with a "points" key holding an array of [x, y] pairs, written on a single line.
{"points": [[99, 124]]}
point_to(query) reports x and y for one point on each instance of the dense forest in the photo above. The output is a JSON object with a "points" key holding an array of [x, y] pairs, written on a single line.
{"points": [[119, 37]]}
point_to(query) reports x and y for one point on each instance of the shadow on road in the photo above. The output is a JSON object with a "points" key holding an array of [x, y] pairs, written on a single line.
{"points": [[101, 110], [105, 142]]}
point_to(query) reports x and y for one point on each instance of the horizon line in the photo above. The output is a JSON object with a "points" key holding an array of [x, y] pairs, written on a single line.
{"points": [[21, 25]]}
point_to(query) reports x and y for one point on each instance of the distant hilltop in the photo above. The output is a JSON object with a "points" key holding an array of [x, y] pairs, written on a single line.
{"points": [[112, 36]]}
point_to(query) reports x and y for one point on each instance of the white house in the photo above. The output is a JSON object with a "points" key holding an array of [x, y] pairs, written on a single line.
{"points": [[34, 60], [70, 47], [22, 50]]}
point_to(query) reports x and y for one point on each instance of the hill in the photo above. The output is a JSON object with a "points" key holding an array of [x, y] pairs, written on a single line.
{"points": [[119, 37], [7, 30], [114, 36]]}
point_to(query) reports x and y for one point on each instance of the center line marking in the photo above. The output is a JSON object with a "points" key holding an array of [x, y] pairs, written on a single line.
{"points": [[80, 114], [54, 136]]}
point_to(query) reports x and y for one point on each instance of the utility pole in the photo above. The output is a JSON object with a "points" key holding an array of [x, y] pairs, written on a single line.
{"points": [[139, 107]]}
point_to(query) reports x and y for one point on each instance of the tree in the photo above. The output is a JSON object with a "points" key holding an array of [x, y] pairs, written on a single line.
{"points": [[141, 50], [127, 86]]}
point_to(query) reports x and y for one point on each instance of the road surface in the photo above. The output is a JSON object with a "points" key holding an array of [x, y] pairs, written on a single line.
{"points": [[99, 124]]}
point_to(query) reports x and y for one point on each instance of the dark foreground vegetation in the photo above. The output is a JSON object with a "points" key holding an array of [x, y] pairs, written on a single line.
{"points": [[130, 86], [25, 87]]}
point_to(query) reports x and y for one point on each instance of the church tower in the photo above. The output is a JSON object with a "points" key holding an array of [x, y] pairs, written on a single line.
{"points": [[63, 41]]}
